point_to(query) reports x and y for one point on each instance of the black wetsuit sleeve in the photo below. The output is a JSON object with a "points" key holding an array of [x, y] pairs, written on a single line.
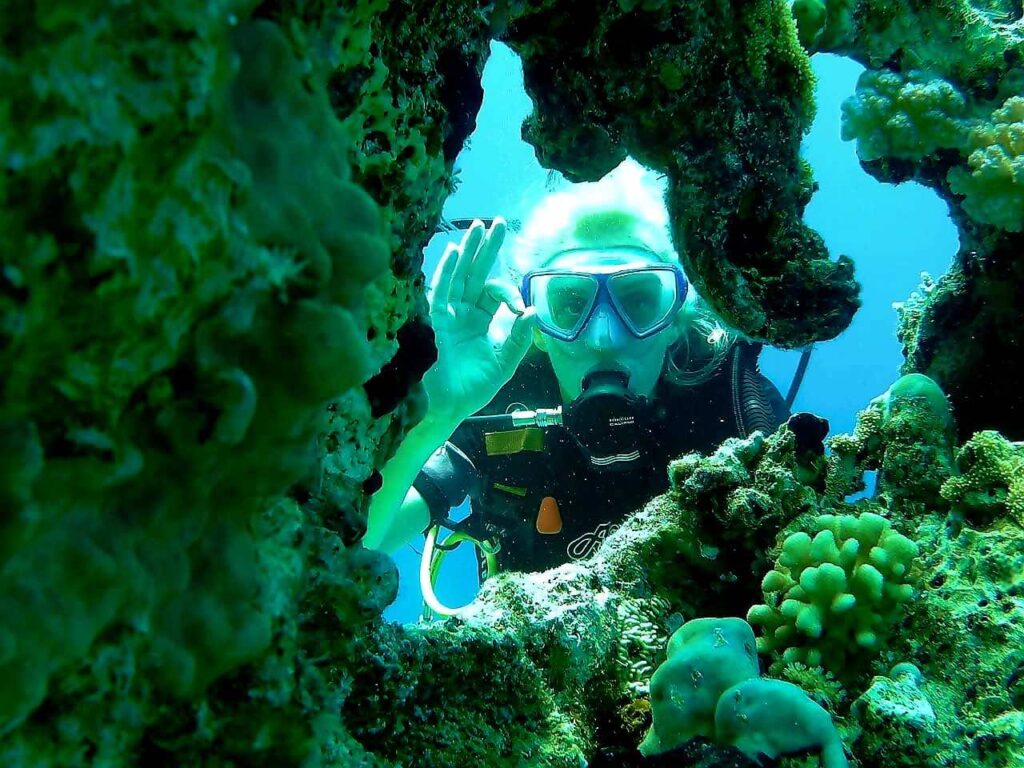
{"points": [[448, 477]]}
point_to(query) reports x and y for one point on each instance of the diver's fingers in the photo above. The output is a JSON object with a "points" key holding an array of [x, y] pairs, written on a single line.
{"points": [[441, 282], [497, 292], [485, 259], [512, 352], [470, 245]]}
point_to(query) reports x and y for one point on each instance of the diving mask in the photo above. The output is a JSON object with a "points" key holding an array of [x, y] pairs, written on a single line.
{"points": [[644, 297]]}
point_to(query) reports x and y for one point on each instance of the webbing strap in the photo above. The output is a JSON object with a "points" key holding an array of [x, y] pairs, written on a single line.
{"points": [[514, 441]]}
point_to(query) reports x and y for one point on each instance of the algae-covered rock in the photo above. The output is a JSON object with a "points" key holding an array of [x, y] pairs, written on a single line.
{"points": [[907, 435], [940, 103], [717, 97], [898, 721], [210, 336]]}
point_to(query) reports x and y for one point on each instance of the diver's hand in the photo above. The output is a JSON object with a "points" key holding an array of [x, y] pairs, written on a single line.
{"points": [[470, 367]]}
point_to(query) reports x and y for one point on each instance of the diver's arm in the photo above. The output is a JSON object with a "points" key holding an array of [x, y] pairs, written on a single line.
{"points": [[398, 512], [470, 370]]}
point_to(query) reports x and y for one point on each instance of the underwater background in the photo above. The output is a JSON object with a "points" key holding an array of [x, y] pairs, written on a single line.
{"points": [[214, 331], [893, 234]]}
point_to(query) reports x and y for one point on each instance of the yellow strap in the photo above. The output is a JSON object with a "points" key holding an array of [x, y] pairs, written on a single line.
{"points": [[514, 441]]}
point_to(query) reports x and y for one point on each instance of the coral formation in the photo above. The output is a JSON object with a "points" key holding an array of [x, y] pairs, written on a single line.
{"points": [[742, 495], [940, 103], [717, 98], [897, 718], [709, 687], [773, 718], [906, 434], [835, 594], [210, 334], [990, 480], [704, 658], [194, 270]]}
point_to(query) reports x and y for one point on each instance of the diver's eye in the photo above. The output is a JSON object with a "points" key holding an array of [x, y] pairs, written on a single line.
{"points": [[568, 305], [640, 305], [644, 298]]}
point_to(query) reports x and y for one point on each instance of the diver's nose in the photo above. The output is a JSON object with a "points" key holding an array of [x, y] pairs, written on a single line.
{"points": [[605, 331]]}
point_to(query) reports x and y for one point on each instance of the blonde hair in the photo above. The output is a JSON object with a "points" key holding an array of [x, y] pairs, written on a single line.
{"points": [[625, 208]]}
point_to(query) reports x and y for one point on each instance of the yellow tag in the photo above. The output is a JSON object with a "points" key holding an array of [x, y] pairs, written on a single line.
{"points": [[514, 441]]}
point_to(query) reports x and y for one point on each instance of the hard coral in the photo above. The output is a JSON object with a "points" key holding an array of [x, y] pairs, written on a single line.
{"points": [[709, 688], [940, 104], [993, 189], [704, 658], [907, 435], [832, 597], [990, 483]]}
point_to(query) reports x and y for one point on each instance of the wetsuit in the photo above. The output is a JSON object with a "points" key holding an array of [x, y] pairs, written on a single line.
{"points": [[508, 480]]}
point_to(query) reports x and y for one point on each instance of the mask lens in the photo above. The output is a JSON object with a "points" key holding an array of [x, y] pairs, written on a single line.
{"points": [[562, 301], [645, 299]]}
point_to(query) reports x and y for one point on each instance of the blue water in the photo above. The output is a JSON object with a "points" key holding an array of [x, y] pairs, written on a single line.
{"points": [[893, 233]]}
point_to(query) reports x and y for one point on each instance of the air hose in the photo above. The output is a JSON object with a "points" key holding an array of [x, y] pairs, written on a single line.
{"points": [[434, 553]]}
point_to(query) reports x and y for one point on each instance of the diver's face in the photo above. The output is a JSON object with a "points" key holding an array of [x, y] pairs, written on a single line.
{"points": [[605, 341]]}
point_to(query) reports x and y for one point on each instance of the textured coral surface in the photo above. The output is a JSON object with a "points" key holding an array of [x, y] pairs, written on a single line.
{"points": [[940, 103], [211, 332]]}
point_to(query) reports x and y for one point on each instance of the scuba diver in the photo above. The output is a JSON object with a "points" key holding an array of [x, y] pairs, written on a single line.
{"points": [[565, 422]]}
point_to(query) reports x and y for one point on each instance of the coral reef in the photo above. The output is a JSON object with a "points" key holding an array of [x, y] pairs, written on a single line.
{"points": [[897, 718], [990, 481], [940, 104], [774, 718], [704, 658], [211, 330], [709, 687], [906, 434], [206, 256], [717, 97]]}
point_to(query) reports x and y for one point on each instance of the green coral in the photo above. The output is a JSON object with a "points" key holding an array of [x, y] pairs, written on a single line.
{"points": [[833, 596], [817, 683], [913, 115], [180, 217], [907, 435], [774, 718], [907, 116], [823, 24], [990, 483], [709, 686], [704, 658], [939, 103], [743, 493], [898, 721], [993, 188]]}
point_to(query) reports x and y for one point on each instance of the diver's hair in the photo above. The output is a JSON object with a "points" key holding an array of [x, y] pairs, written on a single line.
{"points": [[703, 344], [626, 207]]}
